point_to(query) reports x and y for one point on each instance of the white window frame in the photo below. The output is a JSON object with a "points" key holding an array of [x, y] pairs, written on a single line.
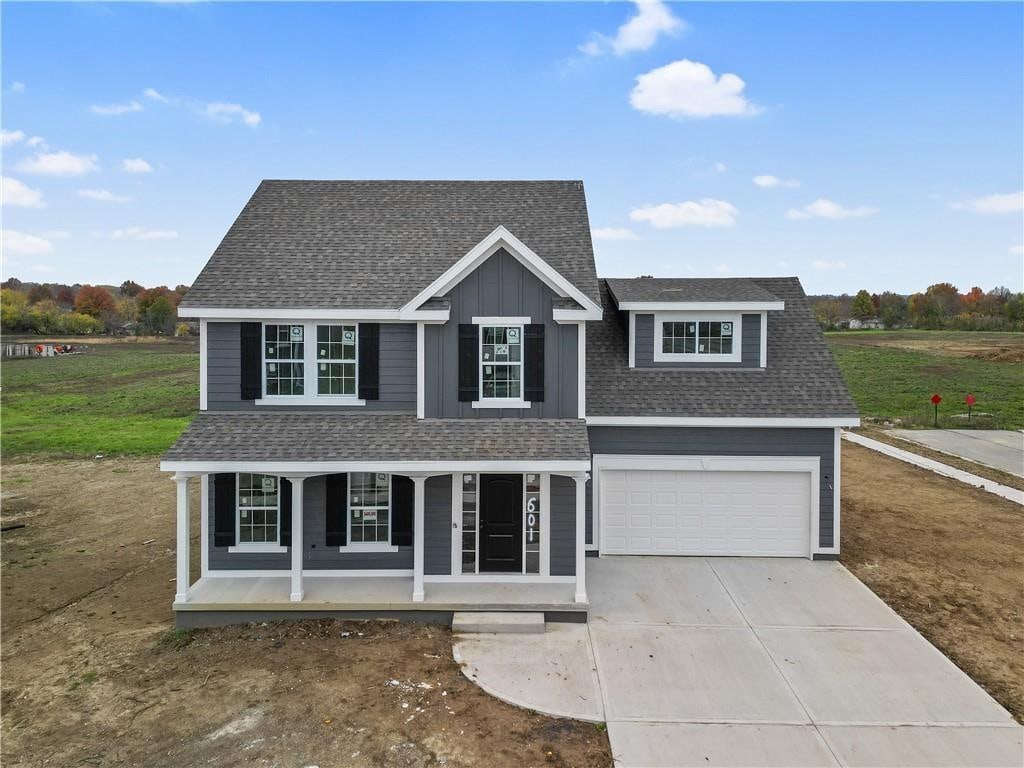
{"points": [[501, 402], [736, 318], [309, 367], [255, 546], [368, 546]]}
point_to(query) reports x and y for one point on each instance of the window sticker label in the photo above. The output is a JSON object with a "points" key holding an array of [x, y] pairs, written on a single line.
{"points": [[513, 334], [297, 333], [268, 483], [369, 515], [727, 329], [349, 336]]}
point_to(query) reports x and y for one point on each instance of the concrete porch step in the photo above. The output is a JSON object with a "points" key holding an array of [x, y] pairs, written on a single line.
{"points": [[503, 622]]}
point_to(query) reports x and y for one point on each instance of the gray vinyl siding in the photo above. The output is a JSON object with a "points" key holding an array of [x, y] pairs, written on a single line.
{"points": [[318, 556], [563, 526], [728, 441], [437, 520], [750, 340], [501, 287], [397, 370]]}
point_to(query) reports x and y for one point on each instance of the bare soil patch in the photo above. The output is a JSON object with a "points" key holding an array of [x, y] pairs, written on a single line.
{"points": [[946, 557], [93, 675]]}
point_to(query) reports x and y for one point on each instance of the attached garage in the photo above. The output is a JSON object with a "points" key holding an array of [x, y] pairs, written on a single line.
{"points": [[707, 505]]}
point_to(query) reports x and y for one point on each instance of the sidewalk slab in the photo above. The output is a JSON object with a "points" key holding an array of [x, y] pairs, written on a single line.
{"points": [[779, 592], [675, 745], [926, 747], [891, 678], [999, 448]]}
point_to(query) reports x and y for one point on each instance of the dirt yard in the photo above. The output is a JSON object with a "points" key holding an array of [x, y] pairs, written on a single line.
{"points": [[93, 676], [946, 557]]}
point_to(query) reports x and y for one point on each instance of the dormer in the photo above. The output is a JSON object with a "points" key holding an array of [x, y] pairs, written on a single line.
{"points": [[685, 323]]}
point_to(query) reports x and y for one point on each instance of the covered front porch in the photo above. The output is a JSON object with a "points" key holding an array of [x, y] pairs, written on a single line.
{"points": [[502, 531]]}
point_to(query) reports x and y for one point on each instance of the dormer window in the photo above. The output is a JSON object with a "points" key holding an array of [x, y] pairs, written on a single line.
{"points": [[697, 337], [501, 362]]}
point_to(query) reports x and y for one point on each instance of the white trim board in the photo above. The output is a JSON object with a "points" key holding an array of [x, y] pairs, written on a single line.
{"points": [[721, 421], [735, 318], [204, 357], [287, 468], [286, 573], [225, 314], [809, 464], [479, 253], [702, 306]]}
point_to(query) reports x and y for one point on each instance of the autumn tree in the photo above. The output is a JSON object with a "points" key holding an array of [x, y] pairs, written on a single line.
{"points": [[130, 289], [892, 308], [828, 312], [946, 297], [95, 301], [39, 293], [862, 307], [65, 297]]}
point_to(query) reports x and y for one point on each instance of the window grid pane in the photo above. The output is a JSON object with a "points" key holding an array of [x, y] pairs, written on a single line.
{"points": [[469, 514], [501, 355], [284, 349], [257, 509], [705, 337], [336, 359], [370, 507]]}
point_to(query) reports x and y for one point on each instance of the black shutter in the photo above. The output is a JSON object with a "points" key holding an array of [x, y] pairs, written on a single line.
{"points": [[469, 362], [369, 361], [533, 361], [284, 496], [336, 526], [224, 510], [252, 360], [402, 492]]}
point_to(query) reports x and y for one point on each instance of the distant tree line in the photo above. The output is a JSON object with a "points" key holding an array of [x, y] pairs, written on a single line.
{"points": [[939, 306], [89, 309]]}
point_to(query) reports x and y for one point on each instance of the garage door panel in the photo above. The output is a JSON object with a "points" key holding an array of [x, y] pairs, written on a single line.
{"points": [[692, 512]]}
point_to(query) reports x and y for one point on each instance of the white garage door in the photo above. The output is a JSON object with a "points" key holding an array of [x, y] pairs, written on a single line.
{"points": [[667, 512]]}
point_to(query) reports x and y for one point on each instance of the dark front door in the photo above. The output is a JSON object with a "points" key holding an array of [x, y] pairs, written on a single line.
{"points": [[501, 523]]}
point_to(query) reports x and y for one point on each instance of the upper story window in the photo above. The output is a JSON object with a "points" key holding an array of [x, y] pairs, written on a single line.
{"points": [[336, 359], [703, 338], [501, 362], [284, 359], [258, 506], [310, 363]]}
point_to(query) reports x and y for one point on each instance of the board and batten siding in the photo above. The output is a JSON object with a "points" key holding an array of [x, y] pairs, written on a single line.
{"points": [[318, 556], [563, 526], [501, 287], [397, 370], [726, 441], [750, 339]]}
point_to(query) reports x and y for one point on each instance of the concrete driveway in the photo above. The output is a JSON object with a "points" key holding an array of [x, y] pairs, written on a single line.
{"points": [[720, 661], [999, 448]]}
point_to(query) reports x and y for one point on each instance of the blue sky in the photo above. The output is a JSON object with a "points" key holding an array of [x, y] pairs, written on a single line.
{"points": [[886, 140]]}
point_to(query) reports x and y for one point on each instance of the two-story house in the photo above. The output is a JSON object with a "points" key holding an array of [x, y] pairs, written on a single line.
{"points": [[418, 397]]}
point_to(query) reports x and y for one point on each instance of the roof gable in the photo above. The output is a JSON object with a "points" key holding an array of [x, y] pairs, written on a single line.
{"points": [[377, 244]]}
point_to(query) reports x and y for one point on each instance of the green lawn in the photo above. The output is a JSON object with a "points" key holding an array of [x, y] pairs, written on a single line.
{"points": [[892, 375], [116, 399]]}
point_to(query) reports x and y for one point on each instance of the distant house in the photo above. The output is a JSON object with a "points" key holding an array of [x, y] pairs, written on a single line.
{"points": [[868, 324]]}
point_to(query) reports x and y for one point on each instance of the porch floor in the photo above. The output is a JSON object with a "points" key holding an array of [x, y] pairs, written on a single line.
{"points": [[358, 593]]}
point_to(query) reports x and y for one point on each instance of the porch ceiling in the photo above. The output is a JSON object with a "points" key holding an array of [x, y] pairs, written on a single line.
{"points": [[315, 436]]}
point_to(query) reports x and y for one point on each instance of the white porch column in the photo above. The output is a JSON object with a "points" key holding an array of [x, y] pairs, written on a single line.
{"points": [[418, 534], [296, 549], [581, 536], [181, 583]]}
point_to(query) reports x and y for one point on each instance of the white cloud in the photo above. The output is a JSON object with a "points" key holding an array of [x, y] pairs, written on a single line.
{"points": [[116, 109], [228, 113], [135, 165], [823, 265], [102, 196], [722, 269], [652, 20], [17, 87], [10, 137], [1017, 250], [827, 209], [1011, 202], [14, 192], [36, 141], [613, 233], [57, 234], [155, 95], [138, 233], [703, 213], [59, 164], [690, 89], [24, 243], [767, 182], [721, 167], [592, 48]]}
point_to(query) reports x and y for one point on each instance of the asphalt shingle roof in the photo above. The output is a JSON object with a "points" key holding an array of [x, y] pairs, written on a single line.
{"points": [[319, 436], [687, 289], [801, 380], [376, 244]]}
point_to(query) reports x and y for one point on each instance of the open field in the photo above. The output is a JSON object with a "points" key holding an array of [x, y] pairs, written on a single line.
{"points": [[947, 557], [92, 675], [119, 397], [892, 375]]}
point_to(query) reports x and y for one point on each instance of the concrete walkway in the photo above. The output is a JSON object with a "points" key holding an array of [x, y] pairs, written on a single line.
{"points": [[719, 661], [937, 467], [998, 448]]}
